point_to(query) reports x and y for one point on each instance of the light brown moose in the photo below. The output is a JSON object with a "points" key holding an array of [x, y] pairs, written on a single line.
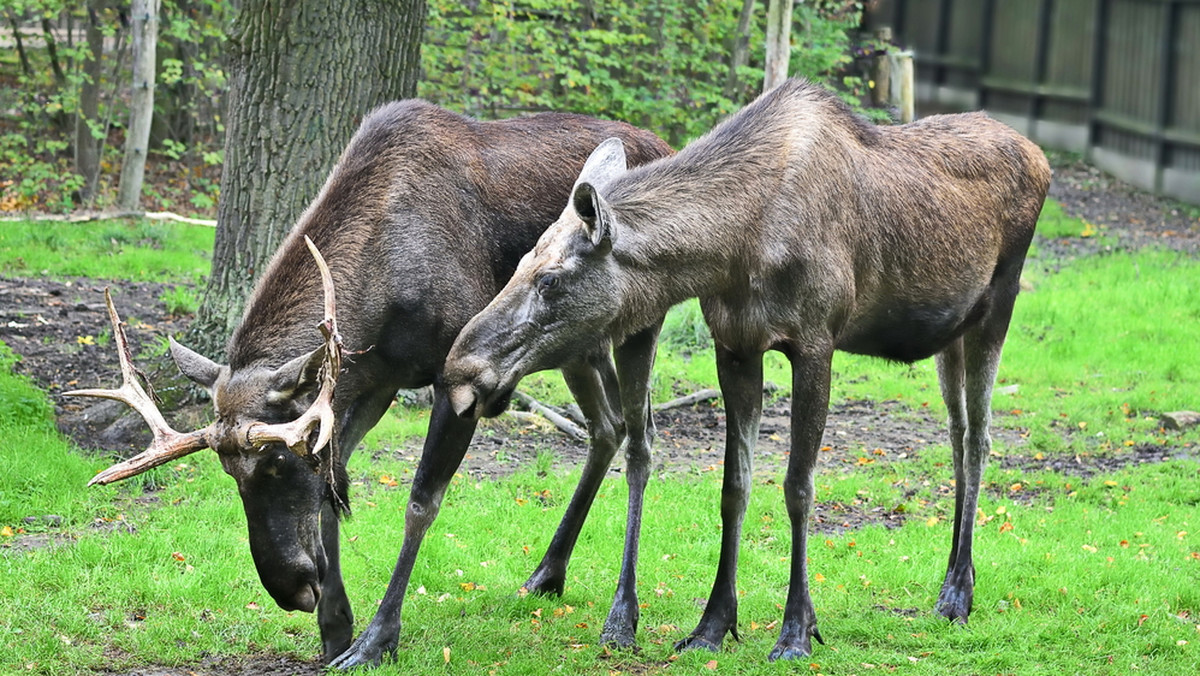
{"points": [[423, 219], [802, 229]]}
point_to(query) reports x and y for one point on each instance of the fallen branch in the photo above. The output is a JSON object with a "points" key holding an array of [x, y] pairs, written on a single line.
{"points": [[554, 417], [688, 400], [87, 216]]}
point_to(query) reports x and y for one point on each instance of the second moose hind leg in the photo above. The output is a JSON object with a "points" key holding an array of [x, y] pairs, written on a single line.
{"points": [[593, 382], [740, 377], [968, 371]]}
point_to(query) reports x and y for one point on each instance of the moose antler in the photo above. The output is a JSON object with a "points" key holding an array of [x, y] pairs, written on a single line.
{"points": [[167, 444], [295, 434]]}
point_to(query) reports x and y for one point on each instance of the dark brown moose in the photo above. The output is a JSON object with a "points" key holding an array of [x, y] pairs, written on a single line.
{"points": [[423, 219], [802, 229]]}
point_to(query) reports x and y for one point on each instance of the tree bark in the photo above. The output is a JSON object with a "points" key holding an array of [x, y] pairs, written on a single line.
{"points": [[302, 74], [87, 118], [779, 43], [144, 20]]}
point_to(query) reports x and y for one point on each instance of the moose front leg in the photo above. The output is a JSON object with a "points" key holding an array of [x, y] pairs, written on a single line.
{"points": [[593, 382], [635, 360], [445, 445], [810, 404], [334, 617], [740, 377]]}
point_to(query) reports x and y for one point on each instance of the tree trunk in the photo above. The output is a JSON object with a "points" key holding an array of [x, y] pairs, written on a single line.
{"points": [[141, 104], [87, 120], [302, 74], [779, 43], [741, 51]]}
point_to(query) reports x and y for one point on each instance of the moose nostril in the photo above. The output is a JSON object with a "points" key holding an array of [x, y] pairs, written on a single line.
{"points": [[306, 598]]}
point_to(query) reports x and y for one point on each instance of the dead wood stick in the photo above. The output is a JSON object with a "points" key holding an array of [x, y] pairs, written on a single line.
{"points": [[688, 400], [84, 217], [557, 419]]}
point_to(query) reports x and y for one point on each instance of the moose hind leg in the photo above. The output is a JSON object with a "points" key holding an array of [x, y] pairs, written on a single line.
{"points": [[590, 381], [741, 386], [980, 359], [951, 377]]}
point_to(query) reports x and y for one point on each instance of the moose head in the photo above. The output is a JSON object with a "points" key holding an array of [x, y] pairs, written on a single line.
{"points": [[269, 429]]}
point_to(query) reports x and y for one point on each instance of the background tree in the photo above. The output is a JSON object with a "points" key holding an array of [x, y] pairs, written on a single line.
{"points": [[301, 76], [141, 101], [779, 43]]}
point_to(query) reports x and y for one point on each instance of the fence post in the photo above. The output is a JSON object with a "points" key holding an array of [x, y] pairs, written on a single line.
{"points": [[881, 70]]}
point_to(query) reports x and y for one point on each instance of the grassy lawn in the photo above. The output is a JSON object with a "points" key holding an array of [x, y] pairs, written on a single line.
{"points": [[1096, 574]]}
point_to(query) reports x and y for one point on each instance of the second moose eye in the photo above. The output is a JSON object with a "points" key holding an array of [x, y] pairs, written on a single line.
{"points": [[547, 282]]}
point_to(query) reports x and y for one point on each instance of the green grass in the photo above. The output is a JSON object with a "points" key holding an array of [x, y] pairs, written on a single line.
{"points": [[1074, 575], [116, 249]]}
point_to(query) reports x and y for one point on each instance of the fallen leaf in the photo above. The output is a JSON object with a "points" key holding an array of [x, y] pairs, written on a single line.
{"points": [[446, 654], [7, 531], [711, 665]]}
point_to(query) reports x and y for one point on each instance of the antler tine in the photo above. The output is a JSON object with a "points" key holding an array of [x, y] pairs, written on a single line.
{"points": [[295, 434], [167, 444]]}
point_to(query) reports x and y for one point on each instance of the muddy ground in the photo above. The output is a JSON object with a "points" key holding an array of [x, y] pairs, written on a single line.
{"points": [[58, 329]]}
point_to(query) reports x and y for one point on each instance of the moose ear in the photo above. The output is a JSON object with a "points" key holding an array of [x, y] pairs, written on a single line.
{"points": [[298, 376], [605, 163], [198, 368], [596, 215]]}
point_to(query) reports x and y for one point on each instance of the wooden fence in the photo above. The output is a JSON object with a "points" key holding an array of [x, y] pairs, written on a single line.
{"points": [[1116, 80]]}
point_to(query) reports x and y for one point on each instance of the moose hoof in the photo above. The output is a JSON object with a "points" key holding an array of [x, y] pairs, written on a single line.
{"points": [[367, 651], [544, 583], [622, 638], [954, 604], [791, 651], [697, 642]]}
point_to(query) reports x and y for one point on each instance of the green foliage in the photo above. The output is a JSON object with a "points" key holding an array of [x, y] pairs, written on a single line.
{"points": [[36, 158], [661, 65]]}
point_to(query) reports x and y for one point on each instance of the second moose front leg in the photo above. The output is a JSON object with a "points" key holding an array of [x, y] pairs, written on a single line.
{"points": [[810, 404]]}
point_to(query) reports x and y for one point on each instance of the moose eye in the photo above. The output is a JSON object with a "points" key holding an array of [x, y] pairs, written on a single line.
{"points": [[547, 282]]}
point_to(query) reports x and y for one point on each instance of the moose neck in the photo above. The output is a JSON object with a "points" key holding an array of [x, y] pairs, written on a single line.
{"points": [[680, 234]]}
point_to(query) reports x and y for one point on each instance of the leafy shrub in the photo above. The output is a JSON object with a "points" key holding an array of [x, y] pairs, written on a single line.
{"points": [[661, 65]]}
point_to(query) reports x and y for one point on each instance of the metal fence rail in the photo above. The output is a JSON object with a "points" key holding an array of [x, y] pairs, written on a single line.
{"points": [[1117, 80]]}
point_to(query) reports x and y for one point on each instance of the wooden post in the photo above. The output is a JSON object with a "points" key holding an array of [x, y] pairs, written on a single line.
{"points": [[144, 15], [902, 84]]}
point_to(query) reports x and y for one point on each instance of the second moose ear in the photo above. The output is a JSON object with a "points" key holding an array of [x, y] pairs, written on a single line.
{"points": [[596, 215], [606, 163]]}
